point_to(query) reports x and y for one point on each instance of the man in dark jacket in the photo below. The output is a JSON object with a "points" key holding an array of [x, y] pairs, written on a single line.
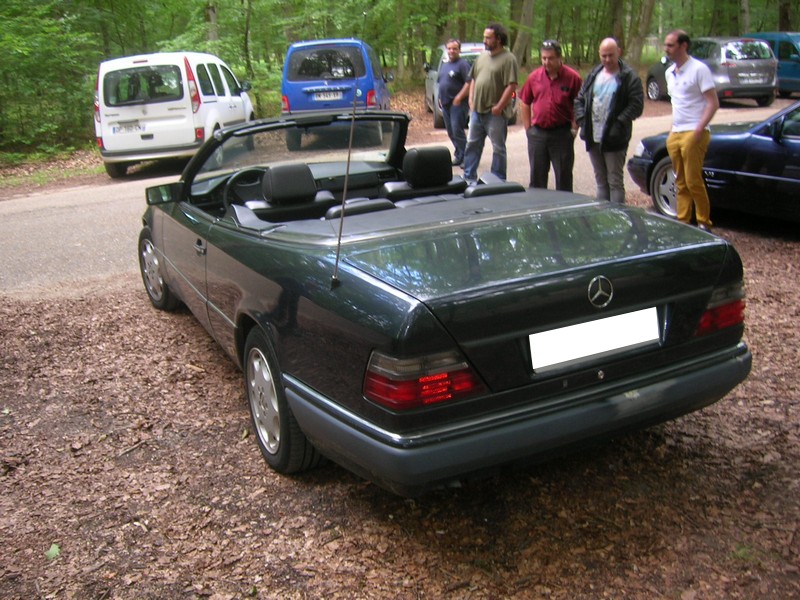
{"points": [[610, 99]]}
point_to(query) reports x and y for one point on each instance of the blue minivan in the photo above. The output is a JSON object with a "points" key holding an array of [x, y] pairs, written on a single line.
{"points": [[330, 74]]}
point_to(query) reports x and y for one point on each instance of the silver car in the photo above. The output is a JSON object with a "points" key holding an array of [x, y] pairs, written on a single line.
{"points": [[742, 68]]}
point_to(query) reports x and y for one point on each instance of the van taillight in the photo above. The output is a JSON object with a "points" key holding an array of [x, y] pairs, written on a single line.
{"points": [[284, 104], [372, 98], [199, 134], [194, 93], [97, 98]]}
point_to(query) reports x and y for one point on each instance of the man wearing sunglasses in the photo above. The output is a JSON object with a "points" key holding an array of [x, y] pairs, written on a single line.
{"points": [[548, 98]]}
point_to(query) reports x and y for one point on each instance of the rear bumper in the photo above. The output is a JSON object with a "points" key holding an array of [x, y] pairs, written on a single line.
{"points": [[750, 91], [150, 153], [411, 464]]}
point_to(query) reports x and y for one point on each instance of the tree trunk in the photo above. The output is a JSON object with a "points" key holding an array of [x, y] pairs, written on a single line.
{"points": [[211, 19], [744, 16], [522, 45], [633, 53], [784, 15]]}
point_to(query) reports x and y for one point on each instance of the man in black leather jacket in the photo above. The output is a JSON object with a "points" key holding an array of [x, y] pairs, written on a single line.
{"points": [[610, 99]]}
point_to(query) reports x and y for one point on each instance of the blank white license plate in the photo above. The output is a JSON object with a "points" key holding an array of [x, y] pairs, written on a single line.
{"points": [[328, 96], [593, 339]]}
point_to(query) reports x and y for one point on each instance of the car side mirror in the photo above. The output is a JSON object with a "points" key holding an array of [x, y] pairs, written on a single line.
{"points": [[795, 58], [388, 77], [245, 86], [427, 66], [164, 194], [664, 60], [776, 130]]}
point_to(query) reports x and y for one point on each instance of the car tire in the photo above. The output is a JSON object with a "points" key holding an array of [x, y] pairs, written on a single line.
{"points": [[116, 170], [766, 100], [654, 91], [283, 445], [663, 189], [293, 140], [438, 118], [150, 265], [784, 94]]}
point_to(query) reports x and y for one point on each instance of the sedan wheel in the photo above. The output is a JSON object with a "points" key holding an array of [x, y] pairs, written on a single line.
{"points": [[663, 189], [280, 439], [653, 90], [150, 265]]}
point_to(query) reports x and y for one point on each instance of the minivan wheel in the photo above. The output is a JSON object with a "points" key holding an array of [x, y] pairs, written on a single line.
{"points": [[116, 170], [765, 100], [663, 189]]}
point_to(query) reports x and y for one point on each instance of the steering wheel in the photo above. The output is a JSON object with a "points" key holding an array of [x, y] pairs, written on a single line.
{"points": [[249, 175]]}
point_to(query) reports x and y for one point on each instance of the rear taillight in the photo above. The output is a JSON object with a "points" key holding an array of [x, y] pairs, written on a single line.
{"points": [[199, 134], [100, 143], [194, 93], [372, 98], [725, 309], [284, 104], [406, 383], [97, 98]]}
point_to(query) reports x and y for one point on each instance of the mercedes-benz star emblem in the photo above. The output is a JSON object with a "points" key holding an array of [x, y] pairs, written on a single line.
{"points": [[600, 291]]}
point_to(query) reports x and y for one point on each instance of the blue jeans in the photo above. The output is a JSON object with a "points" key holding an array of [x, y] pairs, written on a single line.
{"points": [[482, 125], [455, 121]]}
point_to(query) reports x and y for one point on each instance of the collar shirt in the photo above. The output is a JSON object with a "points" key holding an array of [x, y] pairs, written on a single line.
{"points": [[686, 86], [552, 100]]}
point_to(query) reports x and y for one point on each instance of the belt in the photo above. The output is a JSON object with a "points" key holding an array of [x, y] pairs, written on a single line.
{"points": [[564, 126]]}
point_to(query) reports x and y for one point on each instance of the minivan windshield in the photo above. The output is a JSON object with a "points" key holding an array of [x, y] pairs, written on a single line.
{"points": [[142, 85], [326, 62]]}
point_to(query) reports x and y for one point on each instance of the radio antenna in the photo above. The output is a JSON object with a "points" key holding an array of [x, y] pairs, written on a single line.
{"points": [[335, 277]]}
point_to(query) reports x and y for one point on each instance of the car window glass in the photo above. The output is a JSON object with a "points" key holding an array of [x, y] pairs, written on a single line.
{"points": [[142, 85], [791, 124], [206, 87], [217, 79], [747, 51], [785, 50], [327, 62], [233, 85], [376, 65], [438, 55], [701, 49]]}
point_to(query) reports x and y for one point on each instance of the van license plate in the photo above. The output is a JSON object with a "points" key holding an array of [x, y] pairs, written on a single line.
{"points": [[322, 96], [127, 127]]}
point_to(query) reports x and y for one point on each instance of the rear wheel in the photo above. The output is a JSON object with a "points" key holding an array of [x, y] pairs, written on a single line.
{"points": [[150, 265], [663, 189], [283, 445], [766, 100], [654, 91], [116, 170], [438, 117]]}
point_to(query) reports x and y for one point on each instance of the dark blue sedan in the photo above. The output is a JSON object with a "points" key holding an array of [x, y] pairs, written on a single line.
{"points": [[749, 167]]}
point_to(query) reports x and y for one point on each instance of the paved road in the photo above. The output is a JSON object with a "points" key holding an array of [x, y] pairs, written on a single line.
{"points": [[85, 238]]}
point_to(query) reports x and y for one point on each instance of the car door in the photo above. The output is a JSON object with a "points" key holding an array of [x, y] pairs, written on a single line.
{"points": [[185, 241], [236, 112], [770, 173]]}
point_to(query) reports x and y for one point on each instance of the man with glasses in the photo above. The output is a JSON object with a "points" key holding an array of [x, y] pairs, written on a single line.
{"points": [[494, 82], [694, 102], [548, 99]]}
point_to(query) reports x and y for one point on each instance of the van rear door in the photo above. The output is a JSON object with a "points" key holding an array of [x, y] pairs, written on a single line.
{"points": [[145, 105]]}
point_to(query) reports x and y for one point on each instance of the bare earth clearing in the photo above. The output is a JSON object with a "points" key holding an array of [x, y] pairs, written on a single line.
{"points": [[126, 442]]}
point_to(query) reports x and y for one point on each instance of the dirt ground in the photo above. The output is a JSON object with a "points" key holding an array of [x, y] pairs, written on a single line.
{"points": [[129, 470]]}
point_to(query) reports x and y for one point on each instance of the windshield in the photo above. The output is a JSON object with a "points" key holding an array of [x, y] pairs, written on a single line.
{"points": [[326, 62], [323, 140], [751, 50]]}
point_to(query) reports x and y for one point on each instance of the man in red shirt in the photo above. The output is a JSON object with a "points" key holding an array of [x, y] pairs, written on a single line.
{"points": [[548, 100]]}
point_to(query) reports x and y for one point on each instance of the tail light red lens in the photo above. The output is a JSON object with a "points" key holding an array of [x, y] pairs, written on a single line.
{"points": [[372, 98], [199, 134], [725, 309], [284, 104], [194, 93], [403, 384]]}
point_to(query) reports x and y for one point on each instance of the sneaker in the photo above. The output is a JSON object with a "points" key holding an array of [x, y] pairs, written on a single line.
{"points": [[704, 227], [457, 162]]}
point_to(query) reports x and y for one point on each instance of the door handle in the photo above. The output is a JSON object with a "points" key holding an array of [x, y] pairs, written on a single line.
{"points": [[200, 248]]}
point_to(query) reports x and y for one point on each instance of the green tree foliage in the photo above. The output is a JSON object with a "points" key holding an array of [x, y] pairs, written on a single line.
{"points": [[51, 48]]}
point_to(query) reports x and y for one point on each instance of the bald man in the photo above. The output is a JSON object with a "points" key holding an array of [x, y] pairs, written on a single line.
{"points": [[610, 99]]}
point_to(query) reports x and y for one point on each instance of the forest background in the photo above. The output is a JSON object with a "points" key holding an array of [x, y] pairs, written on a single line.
{"points": [[51, 48]]}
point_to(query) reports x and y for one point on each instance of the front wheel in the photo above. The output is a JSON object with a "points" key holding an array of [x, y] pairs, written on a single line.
{"points": [[150, 265], [663, 188], [654, 90], [282, 443]]}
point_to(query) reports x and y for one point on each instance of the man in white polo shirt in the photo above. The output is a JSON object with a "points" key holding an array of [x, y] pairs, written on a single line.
{"points": [[694, 101]]}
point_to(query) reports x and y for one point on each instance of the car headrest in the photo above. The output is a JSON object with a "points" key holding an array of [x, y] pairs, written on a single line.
{"points": [[427, 167], [289, 184]]}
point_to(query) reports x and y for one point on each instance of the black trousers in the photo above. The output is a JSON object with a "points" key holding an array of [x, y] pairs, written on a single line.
{"points": [[551, 146]]}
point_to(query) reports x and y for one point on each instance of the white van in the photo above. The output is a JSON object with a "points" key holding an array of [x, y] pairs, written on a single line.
{"points": [[163, 105]]}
